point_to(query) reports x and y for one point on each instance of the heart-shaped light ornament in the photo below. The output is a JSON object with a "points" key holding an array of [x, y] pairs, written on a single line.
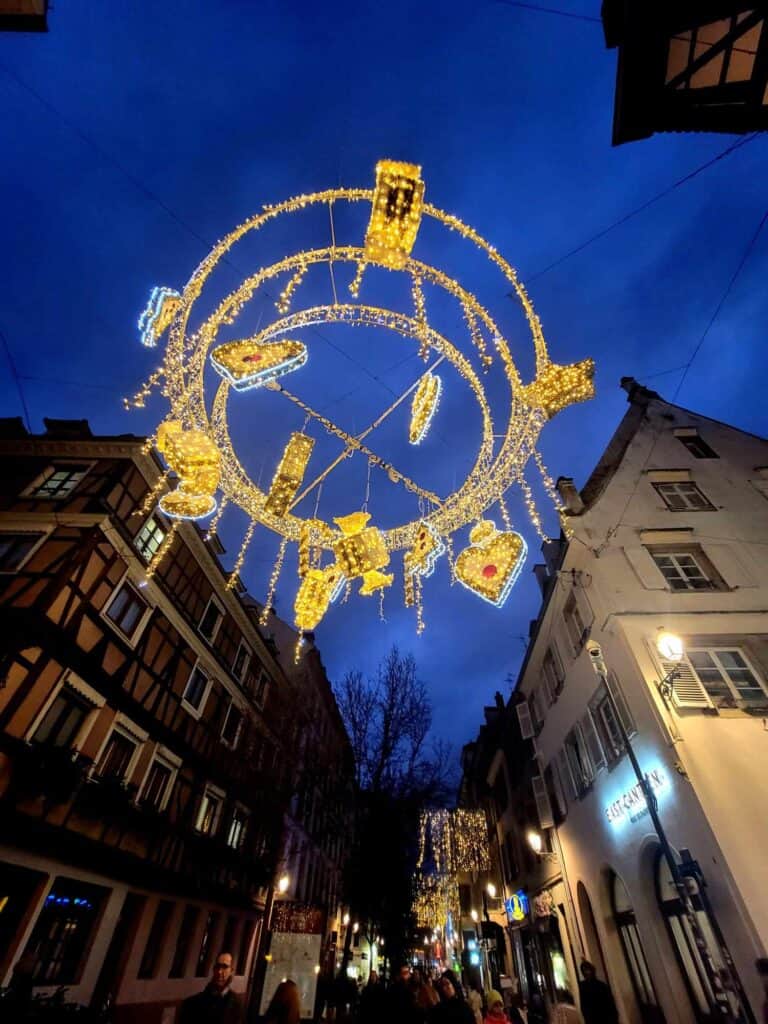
{"points": [[252, 363], [492, 562]]}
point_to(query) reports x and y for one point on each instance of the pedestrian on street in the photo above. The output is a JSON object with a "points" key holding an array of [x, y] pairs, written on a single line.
{"points": [[452, 1009], [475, 1001], [372, 1001], [401, 1004], [217, 1003], [597, 1003], [494, 1013], [564, 1010], [285, 1007]]}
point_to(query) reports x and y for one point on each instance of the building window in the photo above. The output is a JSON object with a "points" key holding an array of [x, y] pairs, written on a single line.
{"points": [[206, 944], [15, 549], [260, 690], [686, 569], [574, 623], [240, 664], [698, 448], [683, 496], [63, 720], [607, 725], [156, 939], [126, 610], [61, 937], [209, 812], [210, 622], [196, 689], [727, 676], [233, 723], [552, 673], [579, 762], [184, 941], [59, 481], [157, 786], [149, 538], [116, 757], [237, 827]]}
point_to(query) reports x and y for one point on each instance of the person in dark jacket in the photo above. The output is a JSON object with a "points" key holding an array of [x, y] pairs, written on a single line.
{"points": [[597, 1003], [217, 1003], [452, 1008], [373, 1001]]}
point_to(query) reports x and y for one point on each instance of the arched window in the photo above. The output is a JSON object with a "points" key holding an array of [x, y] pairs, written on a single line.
{"points": [[624, 916]]}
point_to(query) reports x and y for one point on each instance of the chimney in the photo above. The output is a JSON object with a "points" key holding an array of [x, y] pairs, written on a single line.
{"points": [[636, 392], [541, 573], [499, 701], [567, 490]]}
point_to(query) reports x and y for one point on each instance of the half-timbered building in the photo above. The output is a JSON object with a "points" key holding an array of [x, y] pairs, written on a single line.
{"points": [[148, 753]]}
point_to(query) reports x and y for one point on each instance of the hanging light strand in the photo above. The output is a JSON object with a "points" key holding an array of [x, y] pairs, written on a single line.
{"points": [[234, 576], [273, 581]]}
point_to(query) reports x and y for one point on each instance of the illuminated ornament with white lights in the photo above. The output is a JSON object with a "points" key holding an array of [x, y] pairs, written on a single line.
{"points": [[427, 548], [424, 407], [252, 363], [195, 459], [395, 213], [161, 309], [318, 589], [492, 562], [361, 551], [289, 474]]}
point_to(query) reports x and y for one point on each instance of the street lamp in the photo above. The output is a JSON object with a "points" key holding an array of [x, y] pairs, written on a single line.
{"points": [[473, 915], [345, 920], [667, 643], [491, 890], [355, 928], [283, 884], [671, 649]]}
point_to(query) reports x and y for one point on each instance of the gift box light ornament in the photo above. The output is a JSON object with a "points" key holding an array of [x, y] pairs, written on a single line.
{"points": [[196, 460], [425, 402], [158, 315], [398, 200], [492, 562], [361, 551], [289, 474], [251, 363], [319, 588]]}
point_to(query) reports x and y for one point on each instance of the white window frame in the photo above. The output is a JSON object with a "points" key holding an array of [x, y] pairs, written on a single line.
{"points": [[238, 809], [241, 711], [142, 623], [197, 712], [41, 532], [122, 725], [712, 652], [209, 790], [688, 505], [694, 551], [169, 760], [211, 639], [74, 682], [152, 518], [246, 663], [50, 469], [583, 782]]}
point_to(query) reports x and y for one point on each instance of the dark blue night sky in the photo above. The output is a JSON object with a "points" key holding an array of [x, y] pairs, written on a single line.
{"points": [[133, 136]]}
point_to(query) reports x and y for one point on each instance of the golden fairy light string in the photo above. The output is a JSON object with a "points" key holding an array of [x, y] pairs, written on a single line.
{"points": [[213, 528], [283, 304], [150, 498], [273, 582], [530, 505], [417, 293], [140, 398], [163, 550], [234, 576]]}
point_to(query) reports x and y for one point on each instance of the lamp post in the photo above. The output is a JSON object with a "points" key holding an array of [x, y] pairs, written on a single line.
{"points": [[264, 943], [671, 649]]}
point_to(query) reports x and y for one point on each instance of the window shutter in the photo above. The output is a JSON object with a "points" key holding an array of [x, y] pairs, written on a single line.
{"points": [[559, 784], [540, 704], [543, 805], [527, 730], [645, 568], [566, 776], [621, 705], [687, 691], [727, 564], [592, 741]]}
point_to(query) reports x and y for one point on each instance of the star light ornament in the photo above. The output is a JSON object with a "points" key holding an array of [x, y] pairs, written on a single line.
{"points": [[158, 315], [492, 562]]}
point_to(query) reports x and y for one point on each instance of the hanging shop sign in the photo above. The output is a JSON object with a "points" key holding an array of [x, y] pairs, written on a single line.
{"points": [[517, 906], [632, 805]]}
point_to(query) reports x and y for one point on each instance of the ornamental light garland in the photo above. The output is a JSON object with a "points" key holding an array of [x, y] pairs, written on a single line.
{"points": [[195, 438]]}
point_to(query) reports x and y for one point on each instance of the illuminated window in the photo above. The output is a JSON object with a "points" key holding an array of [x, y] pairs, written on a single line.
{"points": [[683, 496], [149, 538], [237, 827], [59, 481], [15, 549], [209, 811], [61, 937], [126, 610]]}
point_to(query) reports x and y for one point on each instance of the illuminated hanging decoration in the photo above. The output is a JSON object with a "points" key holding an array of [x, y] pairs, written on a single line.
{"points": [[452, 844], [158, 316], [252, 363], [289, 474], [424, 407], [362, 551], [198, 445], [194, 457], [492, 562]]}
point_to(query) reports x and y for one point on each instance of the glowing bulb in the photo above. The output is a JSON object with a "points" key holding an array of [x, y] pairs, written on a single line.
{"points": [[491, 890], [534, 841], [345, 920], [282, 885], [669, 645], [473, 915]]}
